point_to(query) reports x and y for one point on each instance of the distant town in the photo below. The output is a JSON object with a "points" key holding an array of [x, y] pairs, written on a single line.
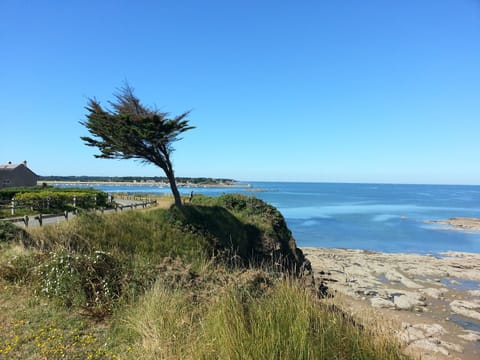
{"points": [[132, 180]]}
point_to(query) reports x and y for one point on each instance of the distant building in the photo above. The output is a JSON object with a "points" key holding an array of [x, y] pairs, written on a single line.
{"points": [[17, 175]]}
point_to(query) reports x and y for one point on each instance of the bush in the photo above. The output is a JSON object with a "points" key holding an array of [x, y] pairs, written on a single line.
{"points": [[266, 234], [20, 268], [10, 232], [55, 199], [92, 282]]}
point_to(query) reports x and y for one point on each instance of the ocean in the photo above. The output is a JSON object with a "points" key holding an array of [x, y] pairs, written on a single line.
{"points": [[377, 217]]}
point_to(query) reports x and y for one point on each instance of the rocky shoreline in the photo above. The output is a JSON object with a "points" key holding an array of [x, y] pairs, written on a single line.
{"points": [[431, 303], [462, 224]]}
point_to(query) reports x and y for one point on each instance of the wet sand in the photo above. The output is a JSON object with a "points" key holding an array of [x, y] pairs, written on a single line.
{"points": [[431, 303]]}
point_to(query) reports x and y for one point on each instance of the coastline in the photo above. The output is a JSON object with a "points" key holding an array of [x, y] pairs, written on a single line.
{"points": [[147, 183], [460, 223], [430, 303]]}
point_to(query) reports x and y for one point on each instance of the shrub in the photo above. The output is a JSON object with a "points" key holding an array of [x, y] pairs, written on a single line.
{"points": [[92, 282], [20, 268], [10, 232], [55, 199]]}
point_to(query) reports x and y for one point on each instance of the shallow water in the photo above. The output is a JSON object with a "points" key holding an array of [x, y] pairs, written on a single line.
{"points": [[466, 323], [380, 217], [460, 284]]}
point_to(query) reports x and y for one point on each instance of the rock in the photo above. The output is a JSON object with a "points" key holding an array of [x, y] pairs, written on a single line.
{"points": [[420, 331], [382, 303], [466, 308], [474, 292], [431, 330], [435, 293], [453, 347], [431, 345], [408, 301], [411, 334], [426, 337], [374, 274], [471, 336], [396, 276]]}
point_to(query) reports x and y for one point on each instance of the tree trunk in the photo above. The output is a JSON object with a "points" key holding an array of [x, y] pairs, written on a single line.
{"points": [[173, 187]]}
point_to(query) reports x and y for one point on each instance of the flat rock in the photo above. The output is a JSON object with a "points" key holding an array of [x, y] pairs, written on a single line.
{"points": [[416, 332], [474, 292], [382, 303], [431, 330], [396, 276], [466, 308], [430, 345], [471, 336], [436, 293], [405, 302]]}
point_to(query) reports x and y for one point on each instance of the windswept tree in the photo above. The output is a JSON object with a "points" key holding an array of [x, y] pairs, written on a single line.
{"points": [[131, 130]]}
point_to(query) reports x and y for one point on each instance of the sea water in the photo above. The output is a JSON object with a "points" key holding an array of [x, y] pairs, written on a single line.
{"points": [[378, 217]]}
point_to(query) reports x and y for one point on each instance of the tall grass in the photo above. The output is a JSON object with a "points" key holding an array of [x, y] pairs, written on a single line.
{"points": [[285, 322], [149, 235]]}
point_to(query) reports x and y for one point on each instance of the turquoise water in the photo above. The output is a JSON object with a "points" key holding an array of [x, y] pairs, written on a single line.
{"points": [[381, 217]]}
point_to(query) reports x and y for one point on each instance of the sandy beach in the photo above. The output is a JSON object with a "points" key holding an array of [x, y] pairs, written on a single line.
{"points": [[431, 303]]}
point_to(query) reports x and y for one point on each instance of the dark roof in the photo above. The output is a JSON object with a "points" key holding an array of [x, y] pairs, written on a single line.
{"points": [[10, 167]]}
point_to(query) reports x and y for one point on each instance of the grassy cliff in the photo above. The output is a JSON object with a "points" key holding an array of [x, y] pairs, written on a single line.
{"points": [[216, 279]]}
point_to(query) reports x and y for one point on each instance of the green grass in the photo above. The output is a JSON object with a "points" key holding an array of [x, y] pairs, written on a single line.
{"points": [[156, 285], [283, 322], [34, 328]]}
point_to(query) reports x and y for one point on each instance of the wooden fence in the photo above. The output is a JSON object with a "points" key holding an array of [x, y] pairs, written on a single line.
{"points": [[40, 217]]}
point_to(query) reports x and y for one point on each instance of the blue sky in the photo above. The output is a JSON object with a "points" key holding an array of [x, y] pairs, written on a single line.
{"points": [[350, 91]]}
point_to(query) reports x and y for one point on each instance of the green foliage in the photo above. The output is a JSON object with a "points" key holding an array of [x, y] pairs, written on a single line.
{"points": [[20, 268], [151, 273], [224, 231], [133, 131], [250, 319], [287, 323], [51, 199], [7, 194], [266, 236], [92, 282], [150, 234], [10, 232], [33, 329]]}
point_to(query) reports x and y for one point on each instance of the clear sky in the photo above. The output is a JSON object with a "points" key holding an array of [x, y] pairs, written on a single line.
{"points": [[350, 91]]}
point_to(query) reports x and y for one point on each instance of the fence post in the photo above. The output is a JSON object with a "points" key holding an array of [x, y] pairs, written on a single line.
{"points": [[13, 206], [25, 220], [40, 219], [74, 201]]}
